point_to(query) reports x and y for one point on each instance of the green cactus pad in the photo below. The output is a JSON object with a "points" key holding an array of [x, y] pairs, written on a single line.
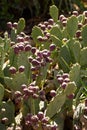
{"points": [[21, 25], [71, 88], [75, 73], [36, 31], [83, 57], [16, 85], [56, 32], [55, 105], [56, 41], [84, 35], [72, 26], [54, 12]]}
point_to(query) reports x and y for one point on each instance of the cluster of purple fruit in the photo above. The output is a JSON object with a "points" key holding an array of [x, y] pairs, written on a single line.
{"points": [[23, 46], [12, 25], [40, 60], [39, 121], [45, 26], [63, 80], [13, 69], [31, 90], [63, 20]]}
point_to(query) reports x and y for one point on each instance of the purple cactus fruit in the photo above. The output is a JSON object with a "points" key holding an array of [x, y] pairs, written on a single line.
{"points": [[51, 21], [21, 47], [45, 120], [9, 25], [53, 93], [63, 85], [61, 17], [35, 96], [20, 39], [16, 49], [47, 35], [66, 80], [27, 47], [40, 115], [26, 38], [53, 127], [34, 119], [34, 88], [15, 24], [35, 62], [85, 13], [65, 75], [79, 25], [17, 94], [58, 75], [49, 27], [43, 26], [64, 23], [4, 120], [52, 47], [46, 23], [75, 13], [12, 70], [71, 96], [78, 33], [23, 86], [21, 68], [60, 80], [40, 38], [33, 50], [30, 58]]}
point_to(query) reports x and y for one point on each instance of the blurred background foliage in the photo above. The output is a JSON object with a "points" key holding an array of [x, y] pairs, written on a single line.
{"points": [[12, 10]]}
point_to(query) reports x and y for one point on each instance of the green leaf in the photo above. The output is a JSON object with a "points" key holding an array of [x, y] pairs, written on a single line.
{"points": [[72, 26], [1, 92], [71, 88], [83, 57], [36, 31], [21, 25], [75, 73], [84, 35], [54, 12], [55, 105], [56, 32]]}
